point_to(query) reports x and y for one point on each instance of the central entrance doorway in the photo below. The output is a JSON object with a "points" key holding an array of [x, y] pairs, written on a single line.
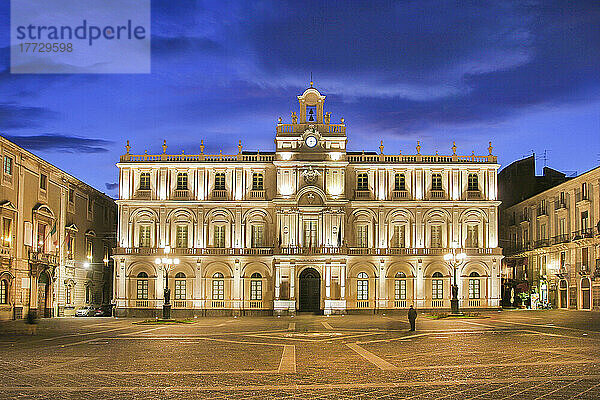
{"points": [[310, 291]]}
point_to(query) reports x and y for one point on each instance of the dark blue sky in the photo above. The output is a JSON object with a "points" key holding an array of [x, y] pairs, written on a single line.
{"points": [[525, 75]]}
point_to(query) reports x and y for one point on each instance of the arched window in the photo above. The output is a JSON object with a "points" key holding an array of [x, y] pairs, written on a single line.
{"points": [[399, 182], [182, 181], [3, 291], [256, 286], [180, 286], [585, 294], [437, 286], [88, 294], [142, 286], [473, 182], [362, 287], [218, 286], [564, 302], [400, 286], [474, 286]]}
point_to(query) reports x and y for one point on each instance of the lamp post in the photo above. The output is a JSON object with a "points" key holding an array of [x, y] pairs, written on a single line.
{"points": [[166, 264], [454, 260]]}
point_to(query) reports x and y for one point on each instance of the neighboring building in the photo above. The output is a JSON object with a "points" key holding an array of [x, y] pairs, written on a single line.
{"points": [[52, 223], [309, 227], [552, 242], [518, 181]]}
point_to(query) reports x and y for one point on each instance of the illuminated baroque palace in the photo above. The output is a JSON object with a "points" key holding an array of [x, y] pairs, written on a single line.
{"points": [[308, 227]]}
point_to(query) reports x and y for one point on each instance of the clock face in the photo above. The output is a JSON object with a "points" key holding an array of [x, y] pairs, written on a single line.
{"points": [[311, 141]]}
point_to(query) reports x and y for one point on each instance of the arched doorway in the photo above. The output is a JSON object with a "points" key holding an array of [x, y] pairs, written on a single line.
{"points": [[43, 295], [585, 294], [310, 291], [562, 287]]}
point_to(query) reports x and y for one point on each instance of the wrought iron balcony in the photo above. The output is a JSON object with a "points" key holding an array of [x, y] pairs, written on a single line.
{"points": [[43, 258]]}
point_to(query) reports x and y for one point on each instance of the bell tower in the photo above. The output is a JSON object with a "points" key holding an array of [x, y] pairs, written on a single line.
{"points": [[311, 106]]}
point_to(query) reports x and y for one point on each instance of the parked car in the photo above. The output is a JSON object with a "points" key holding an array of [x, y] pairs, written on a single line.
{"points": [[86, 311], [103, 311]]}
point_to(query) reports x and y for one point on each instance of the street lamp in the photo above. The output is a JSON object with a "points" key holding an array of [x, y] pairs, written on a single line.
{"points": [[455, 260], [166, 264]]}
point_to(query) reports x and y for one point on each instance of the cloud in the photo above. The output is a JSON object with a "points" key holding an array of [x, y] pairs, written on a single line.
{"points": [[111, 186], [14, 116], [162, 45], [56, 142]]}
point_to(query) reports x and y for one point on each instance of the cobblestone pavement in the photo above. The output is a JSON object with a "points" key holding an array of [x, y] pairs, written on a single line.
{"points": [[510, 354]]}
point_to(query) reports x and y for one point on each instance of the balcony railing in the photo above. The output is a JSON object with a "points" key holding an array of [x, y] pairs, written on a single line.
{"points": [[581, 196], [542, 243], [542, 211], [5, 252], [291, 251], [564, 238], [43, 258], [182, 194], [219, 194], [257, 194], [362, 194], [473, 195], [437, 194], [583, 234], [400, 194], [560, 204], [180, 304], [143, 194]]}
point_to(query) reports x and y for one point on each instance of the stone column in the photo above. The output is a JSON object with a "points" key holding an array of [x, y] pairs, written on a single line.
{"points": [[327, 280], [277, 280], [420, 286], [292, 280]]}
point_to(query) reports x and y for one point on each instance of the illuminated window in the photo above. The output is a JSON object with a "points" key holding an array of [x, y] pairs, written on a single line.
{"points": [[437, 286], [220, 181], [257, 181], [474, 286], [399, 182], [362, 182], [182, 181], [180, 286], [145, 181], [436, 182], [398, 240], [257, 236], [219, 236], [3, 291], [310, 233], [144, 236], [8, 165], [436, 236], [182, 236], [362, 286], [400, 286], [362, 236], [142, 286], [256, 286], [218, 287], [7, 232]]}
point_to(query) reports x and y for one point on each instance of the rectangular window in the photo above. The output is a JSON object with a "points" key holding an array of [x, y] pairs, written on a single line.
{"points": [[257, 181], [563, 201], [436, 236], [257, 236], [399, 182], [543, 207], [584, 194], [525, 237], [362, 289], [142, 289], [437, 289], [6, 232], [144, 236], [362, 182], [400, 289], [584, 257], [543, 265], [220, 181], [218, 289], [472, 240], [182, 236], [3, 291], [474, 289], [71, 246], [219, 238], [43, 182], [255, 290], [145, 181], [362, 236], [542, 232], [310, 233], [41, 239], [180, 289], [436, 182], [182, 181], [473, 182], [398, 236], [69, 294], [563, 258], [90, 205], [89, 249], [584, 220], [71, 196], [562, 227], [8, 165], [106, 255]]}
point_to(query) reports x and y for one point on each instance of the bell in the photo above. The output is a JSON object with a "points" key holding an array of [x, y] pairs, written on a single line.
{"points": [[311, 118], [310, 111]]}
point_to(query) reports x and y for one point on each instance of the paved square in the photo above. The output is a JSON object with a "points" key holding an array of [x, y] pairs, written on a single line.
{"points": [[512, 354]]}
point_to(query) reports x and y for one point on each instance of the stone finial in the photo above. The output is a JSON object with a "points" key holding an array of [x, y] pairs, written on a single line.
{"points": [[381, 147], [490, 148], [453, 148], [418, 147], [182, 152], [240, 144], [279, 120], [258, 152], [128, 147], [220, 152], [436, 153], [146, 152], [294, 118], [327, 118], [201, 146], [473, 153], [342, 120], [164, 146]]}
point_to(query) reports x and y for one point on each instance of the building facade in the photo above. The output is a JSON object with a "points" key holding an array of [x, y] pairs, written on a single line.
{"points": [[308, 227], [57, 237], [553, 244]]}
